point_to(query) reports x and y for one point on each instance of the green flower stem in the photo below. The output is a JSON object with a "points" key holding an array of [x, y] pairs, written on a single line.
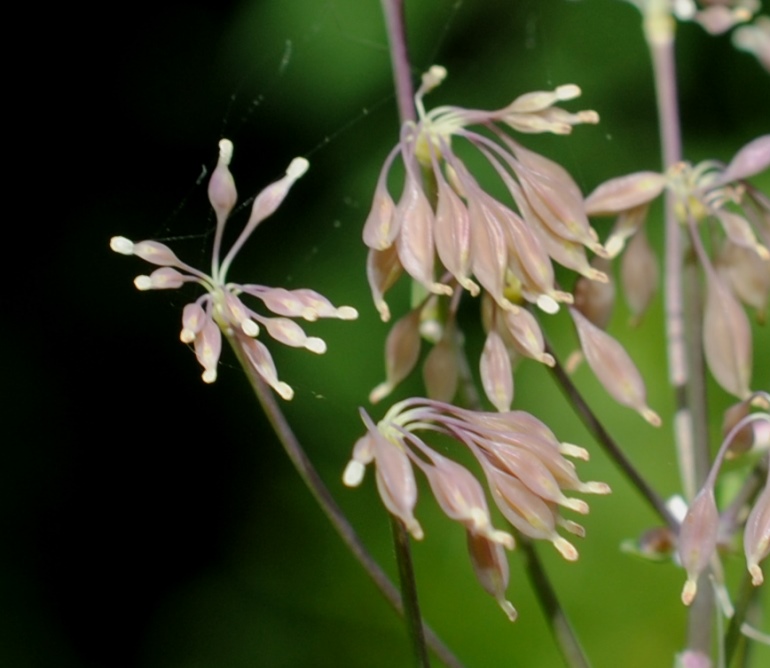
{"points": [[562, 631], [608, 444], [328, 505]]}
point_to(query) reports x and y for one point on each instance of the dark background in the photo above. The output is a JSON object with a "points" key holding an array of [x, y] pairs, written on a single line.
{"points": [[150, 520]]}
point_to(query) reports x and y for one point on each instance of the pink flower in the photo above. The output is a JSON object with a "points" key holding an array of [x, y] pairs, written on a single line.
{"points": [[523, 463], [473, 234], [712, 196], [451, 235], [220, 309]]}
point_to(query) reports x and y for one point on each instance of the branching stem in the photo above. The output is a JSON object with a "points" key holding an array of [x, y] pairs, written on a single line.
{"points": [[328, 505]]}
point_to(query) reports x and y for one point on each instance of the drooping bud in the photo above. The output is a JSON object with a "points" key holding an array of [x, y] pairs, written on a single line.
{"points": [[613, 367], [496, 372], [624, 192], [639, 275], [756, 535], [208, 346], [402, 348], [726, 338], [698, 539], [380, 228], [491, 568], [262, 360], [382, 270]]}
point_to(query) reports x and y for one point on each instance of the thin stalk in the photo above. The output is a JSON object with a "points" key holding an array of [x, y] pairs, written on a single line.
{"points": [[409, 593], [325, 500], [685, 347], [393, 11], [399, 57], [608, 444], [562, 631]]}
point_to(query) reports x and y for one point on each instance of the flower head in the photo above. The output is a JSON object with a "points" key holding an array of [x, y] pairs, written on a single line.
{"points": [[220, 309], [473, 234], [522, 461], [449, 235], [717, 198]]}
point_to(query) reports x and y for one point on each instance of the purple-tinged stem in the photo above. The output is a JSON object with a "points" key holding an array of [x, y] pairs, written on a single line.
{"points": [[328, 505], [399, 56], [683, 324], [607, 443], [567, 641], [395, 26]]}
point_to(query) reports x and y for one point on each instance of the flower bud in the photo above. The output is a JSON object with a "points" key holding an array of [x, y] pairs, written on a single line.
{"points": [[698, 539]]}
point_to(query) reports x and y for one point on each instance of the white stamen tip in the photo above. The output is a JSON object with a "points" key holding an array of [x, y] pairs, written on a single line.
{"points": [[547, 304], [122, 245], [284, 390], [187, 336], [143, 283], [209, 375], [354, 473], [568, 92], [225, 151], [572, 450], [315, 345], [347, 313], [508, 609], [249, 327], [297, 168]]}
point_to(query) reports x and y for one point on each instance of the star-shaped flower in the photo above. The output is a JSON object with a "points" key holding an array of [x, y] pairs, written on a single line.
{"points": [[220, 309]]}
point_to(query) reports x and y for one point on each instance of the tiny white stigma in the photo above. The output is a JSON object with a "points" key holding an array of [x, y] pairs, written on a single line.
{"points": [[249, 327], [568, 92], [122, 245], [547, 304], [297, 168], [225, 151], [354, 473], [347, 313], [315, 345], [143, 283]]}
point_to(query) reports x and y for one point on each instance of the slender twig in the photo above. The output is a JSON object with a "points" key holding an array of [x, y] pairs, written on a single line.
{"points": [[567, 641], [608, 444], [393, 11], [683, 317], [402, 76], [328, 505], [409, 593]]}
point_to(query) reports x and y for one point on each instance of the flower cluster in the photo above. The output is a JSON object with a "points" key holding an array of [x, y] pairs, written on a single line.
{"points": [[220, 309], [522, 461], [481, 243], [717, 198]]}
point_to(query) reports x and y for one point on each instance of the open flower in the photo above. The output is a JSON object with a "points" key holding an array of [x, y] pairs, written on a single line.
{"points": [[717, 199], [522, 461], [449, 235], [220, 309]]}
